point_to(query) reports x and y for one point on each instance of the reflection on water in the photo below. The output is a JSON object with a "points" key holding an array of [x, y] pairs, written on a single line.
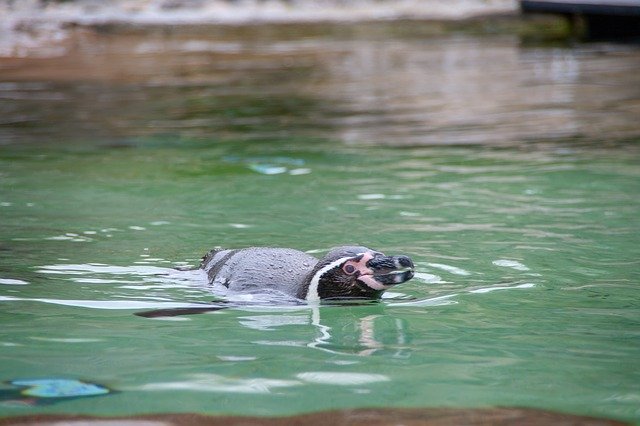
{"points": [[344, 328], [34, 28], [363, 87], [233, 12], [217, 383], [357, 335]]}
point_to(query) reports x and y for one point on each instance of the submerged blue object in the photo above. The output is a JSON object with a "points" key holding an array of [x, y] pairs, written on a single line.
{"points": [[59, 388]]}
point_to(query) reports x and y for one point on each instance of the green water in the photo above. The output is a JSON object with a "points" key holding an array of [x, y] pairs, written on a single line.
{"points": [[509, 174]]}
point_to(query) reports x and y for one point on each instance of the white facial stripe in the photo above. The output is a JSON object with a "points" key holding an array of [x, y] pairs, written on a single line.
{"points": [[312, 292]]}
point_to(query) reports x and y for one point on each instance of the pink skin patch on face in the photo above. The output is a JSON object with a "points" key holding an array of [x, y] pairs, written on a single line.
{"points": [[352, 266], [365, 274], [371, 282]]}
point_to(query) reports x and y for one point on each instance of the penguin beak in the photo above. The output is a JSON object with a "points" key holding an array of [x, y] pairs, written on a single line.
{"points": [[391, 270], [380, 272]]}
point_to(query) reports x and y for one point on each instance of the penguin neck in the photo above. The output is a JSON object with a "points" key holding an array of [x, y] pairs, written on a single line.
{"points": [[310, 290], [313, 285]]}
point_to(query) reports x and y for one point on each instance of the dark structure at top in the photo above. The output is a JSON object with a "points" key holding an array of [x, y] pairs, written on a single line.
{"points": [[599, 19]]}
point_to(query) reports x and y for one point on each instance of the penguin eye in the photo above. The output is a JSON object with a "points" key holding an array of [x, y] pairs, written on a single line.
{"points": [[349, 269]]}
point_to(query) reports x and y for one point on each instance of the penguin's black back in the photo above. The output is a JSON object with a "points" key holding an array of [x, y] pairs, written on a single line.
{"points": [[260, 269]]}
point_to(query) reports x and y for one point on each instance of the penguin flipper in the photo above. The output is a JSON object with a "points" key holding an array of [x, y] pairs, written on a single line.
{"points": [[174, 312]]}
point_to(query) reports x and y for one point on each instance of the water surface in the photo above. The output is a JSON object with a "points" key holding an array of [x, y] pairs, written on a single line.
{"points": [[508, 173]]}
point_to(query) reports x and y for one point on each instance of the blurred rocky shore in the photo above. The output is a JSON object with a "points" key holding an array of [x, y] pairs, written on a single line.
{"points": [[37, 27]]}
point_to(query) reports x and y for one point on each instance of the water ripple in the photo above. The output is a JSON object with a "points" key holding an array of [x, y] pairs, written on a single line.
{"points": [[216, 383], [341, 378]]}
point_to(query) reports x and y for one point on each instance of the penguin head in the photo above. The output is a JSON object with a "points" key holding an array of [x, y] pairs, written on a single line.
{"points": [[356, 272]]}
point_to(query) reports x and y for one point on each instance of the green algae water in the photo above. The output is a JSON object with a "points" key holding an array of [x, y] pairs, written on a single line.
{"points": [[510, 175]]}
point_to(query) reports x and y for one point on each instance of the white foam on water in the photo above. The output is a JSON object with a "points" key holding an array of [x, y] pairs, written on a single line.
{"points": [[240, 225], [498, 288], [299, 172], [237, 358], [372, 197], [392, 295], [286, 343], [87, 269], [269, 322], [65, 340], [341, 378], [513, 264], [451, 269], [432, 301], [101, 281], [217, 383], [69, 237], [159, 286], [11, 281], [428, 278], [106, 304], [267, 169]]}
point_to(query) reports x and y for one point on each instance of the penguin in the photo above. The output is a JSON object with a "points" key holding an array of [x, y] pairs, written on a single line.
{"points": [[348, 272]]}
